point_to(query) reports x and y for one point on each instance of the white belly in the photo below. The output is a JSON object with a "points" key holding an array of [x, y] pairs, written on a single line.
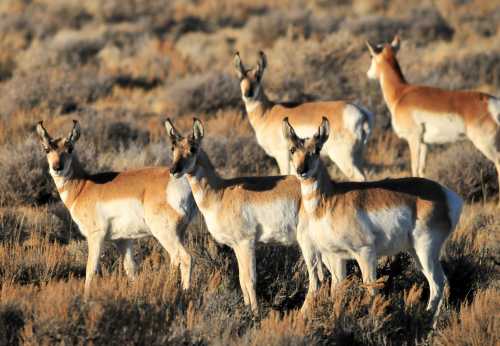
{"points": [[268, 222], [389, 229], [217, 228], [274, 222], [440, 128], [124, 218], [325, 239], [386, 231]]}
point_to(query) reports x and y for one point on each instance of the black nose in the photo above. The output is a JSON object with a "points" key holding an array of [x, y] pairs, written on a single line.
{"points": [[301, 170], [249, 93], [57, 166], [175, 169]]}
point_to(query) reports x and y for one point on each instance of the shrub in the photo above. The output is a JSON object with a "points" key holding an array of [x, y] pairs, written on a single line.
{"points": [[11, 324], [25, 177], [58, 89], [139, 63], [467, 72], [233, 157], [422, 25], [462, 168], [120, 134], [475, 324], [51, 222], [205, 93]]}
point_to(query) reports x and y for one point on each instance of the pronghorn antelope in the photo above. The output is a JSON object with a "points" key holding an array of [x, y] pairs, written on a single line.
{"points": [[351, 124], [366, 220], [240, 212], [423, 115], [120, 206]]}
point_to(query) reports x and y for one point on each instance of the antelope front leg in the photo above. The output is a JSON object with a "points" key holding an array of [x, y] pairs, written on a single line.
{"points": [[338, 269], [95, 242], [367, 260], [414, 144], [310, 255], [167, 233], [422, 159], [247, 272], [125, 248]]}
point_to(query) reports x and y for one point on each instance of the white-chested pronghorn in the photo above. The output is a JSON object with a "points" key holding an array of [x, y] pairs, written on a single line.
{"points": [[366, 220], [240, 212], [351, 124], [423, 115], [121, 206]]}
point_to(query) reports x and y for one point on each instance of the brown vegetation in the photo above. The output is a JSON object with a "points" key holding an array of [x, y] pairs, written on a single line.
{"points": [[120, 67]]}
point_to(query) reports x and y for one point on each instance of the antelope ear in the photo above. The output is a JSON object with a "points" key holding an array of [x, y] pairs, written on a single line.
{"points": [[43, 134], [323, 133], [370, 48], [261, 64], [74, 134], [288, 131], [396, 43], [238, 66], [172, 132], [198, 131]]}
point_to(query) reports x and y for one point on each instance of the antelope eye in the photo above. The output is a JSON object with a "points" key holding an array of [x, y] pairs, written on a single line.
{"points": [[292, 150], [192, 150]]}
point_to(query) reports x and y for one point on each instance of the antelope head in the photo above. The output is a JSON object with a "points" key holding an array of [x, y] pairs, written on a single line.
{"points": [[185, 150], [305, 152], [59, 151]]}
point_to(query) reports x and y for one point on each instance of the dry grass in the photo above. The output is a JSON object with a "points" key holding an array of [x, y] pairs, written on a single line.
{"points": [[122, 67]]}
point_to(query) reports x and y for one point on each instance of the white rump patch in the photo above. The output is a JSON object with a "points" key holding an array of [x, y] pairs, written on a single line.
{"points": [[494, 109], [440, 127], [455, 204], [354, 119]]}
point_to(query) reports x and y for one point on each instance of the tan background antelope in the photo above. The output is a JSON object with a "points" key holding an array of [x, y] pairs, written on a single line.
{"points": [[114, 65], [424, 115], [352, 124]]}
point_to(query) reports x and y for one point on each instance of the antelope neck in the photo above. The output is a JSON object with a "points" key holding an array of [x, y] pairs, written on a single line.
{"points": [[204, 180], [392, 82], [317, 186], [257, 108], [71, 185]]}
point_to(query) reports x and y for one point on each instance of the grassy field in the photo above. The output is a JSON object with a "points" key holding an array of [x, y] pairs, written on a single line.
{"points": [[120, 67]]}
